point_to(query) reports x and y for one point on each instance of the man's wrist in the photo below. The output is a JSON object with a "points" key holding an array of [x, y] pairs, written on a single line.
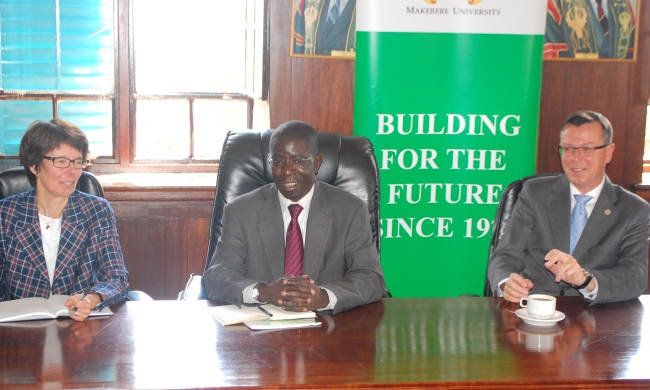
{"points": [[325, 298], [500, 287], [588, 277], [261, 288], [331, 300], [255, 292]]}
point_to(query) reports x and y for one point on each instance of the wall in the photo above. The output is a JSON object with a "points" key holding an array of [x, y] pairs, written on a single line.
{"points": [[164, 231], [316, 91], [164, 235], [618, 90]]}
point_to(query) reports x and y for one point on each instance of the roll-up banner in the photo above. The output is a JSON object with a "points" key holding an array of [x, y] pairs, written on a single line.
{"points": [[448, 91]]}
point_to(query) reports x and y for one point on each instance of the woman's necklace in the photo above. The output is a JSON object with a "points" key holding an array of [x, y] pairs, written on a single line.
{"points": [[48, 221], [43, 211]]}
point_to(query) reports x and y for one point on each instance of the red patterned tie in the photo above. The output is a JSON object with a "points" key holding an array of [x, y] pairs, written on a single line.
{"points": [[294, 250], [602, 18]]}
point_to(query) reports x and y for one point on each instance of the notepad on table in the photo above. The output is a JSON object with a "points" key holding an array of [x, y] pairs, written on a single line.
{"points": [[26, 309], [231, 314], [269, 323]]}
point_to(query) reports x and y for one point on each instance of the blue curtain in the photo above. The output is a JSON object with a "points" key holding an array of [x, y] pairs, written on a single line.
{"points": [[62, 47]]}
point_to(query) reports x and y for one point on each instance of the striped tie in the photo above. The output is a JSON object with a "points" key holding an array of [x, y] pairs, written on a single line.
{"points": [[602, 18], [332, 17], [294, 251], [578, 219]]}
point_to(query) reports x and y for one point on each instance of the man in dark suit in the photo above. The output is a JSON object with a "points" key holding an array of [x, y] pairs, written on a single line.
{"points": [[545, 250], [335, 267]]}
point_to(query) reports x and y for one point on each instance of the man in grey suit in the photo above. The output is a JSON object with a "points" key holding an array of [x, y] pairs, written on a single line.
{"points": [[329, 263], [610, 260]]}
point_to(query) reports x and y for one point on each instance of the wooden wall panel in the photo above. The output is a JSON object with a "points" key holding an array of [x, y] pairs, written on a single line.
{"points": [[569, 86], [176, 244], [644, 192], [161, 254], [638, 101], [164, 238], [143, 255], [323, 81], [280, 82], [317, 91], [199, 230]]}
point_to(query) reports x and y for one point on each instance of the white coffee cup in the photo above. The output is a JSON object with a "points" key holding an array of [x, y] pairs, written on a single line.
{"points": [[540, 342], [538, 339], [539, 306]]}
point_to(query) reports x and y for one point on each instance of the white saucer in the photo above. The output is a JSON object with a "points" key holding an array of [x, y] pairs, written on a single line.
{"points": [[523, 314]]}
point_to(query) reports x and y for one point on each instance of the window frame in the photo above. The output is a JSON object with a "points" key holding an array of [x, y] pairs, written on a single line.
{"points": [[190, 97], [124, 103], [646, 163]]}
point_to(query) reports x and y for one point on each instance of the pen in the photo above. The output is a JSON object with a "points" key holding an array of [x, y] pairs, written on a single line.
{"points": [[265, 311], [83, 295]]}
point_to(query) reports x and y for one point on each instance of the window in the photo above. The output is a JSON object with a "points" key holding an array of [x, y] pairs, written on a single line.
{"points": [[155, 84], [646, 154], [57, 61]]}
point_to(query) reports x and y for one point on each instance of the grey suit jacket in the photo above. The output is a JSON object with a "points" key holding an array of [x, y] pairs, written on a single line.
{"points": [[339, 252], [613, 245]]}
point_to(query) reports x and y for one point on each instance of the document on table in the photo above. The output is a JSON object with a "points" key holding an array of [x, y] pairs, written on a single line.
{"points": [[281, 324], [37, 308], [231, 314]]}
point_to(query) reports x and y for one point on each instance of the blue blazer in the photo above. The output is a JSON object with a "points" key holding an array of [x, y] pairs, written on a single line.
{"points": [[89, 247]]}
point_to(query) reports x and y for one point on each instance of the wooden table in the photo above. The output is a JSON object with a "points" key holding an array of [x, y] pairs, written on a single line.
{"points": [[453, 342]]}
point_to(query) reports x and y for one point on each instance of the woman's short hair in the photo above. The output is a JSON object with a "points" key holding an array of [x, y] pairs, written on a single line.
{"points": [[43, 136]]}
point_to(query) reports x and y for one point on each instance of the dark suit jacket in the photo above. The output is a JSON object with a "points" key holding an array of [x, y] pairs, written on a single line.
{"points": [[341, 37], [339, 252], [613, 245], [89, 245]]}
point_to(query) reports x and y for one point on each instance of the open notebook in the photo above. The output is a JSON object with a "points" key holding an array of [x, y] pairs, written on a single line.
{"points": [[263, 317], [40, 309]]}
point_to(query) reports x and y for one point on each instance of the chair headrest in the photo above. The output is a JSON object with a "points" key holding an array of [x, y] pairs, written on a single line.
{"points": [[14, 181], [348, 163]]}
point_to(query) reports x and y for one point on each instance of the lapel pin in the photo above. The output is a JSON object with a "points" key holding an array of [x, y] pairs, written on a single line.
{"points": [[608, 212]]}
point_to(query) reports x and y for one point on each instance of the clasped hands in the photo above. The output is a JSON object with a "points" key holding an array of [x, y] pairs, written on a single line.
{"points": [[564, 266], [294, 293]]}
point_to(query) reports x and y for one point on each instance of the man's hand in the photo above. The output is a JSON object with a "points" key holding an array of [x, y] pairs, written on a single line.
{"points": [[516, 287], [294, 293], [565, 268]]}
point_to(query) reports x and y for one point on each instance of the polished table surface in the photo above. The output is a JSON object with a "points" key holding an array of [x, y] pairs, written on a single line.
{"points": [[450, 342]]}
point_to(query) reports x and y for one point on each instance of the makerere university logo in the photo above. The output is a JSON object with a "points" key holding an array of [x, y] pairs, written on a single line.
{"points": [[471, 2]]}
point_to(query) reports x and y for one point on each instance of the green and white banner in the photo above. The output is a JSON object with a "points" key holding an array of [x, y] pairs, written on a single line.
{"points": [[448, 91]]}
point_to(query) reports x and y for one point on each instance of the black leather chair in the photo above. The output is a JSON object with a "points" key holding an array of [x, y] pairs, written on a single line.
{"points": [[14, 181], [348, 163], [504, 211]]}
